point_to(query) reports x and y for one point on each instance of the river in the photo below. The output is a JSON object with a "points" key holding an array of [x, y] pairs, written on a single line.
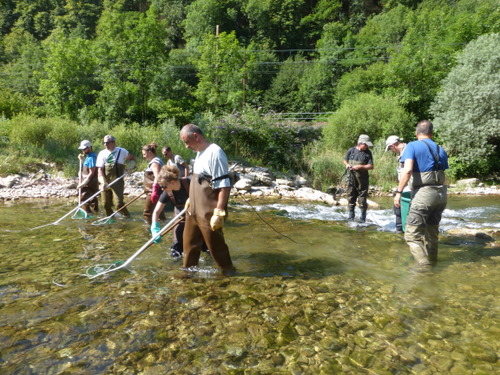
{"points": [[312, 295]]}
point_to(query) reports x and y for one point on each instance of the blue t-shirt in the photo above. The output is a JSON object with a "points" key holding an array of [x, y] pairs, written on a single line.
{"points": [[422, 157], [90, 161]]}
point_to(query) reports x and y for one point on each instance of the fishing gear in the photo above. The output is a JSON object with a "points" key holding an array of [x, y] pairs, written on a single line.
{"points": [[345, 182], [80, 213], [80, 205], [262, 219], [108, 219], [102, 269]]}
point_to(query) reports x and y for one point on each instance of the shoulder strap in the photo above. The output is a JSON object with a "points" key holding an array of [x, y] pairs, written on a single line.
{"points": [[434, 155], [116, 161]]}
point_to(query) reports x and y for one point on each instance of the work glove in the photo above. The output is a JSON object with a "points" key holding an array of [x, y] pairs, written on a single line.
{"points": [[81, 156], [217, 220], [102, 182], [83, 183], [187, 205], [155, 194], [155, 229]]}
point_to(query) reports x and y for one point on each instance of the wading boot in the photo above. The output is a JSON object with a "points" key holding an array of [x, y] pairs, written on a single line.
{"points": [[351, 214], [362, 218]]}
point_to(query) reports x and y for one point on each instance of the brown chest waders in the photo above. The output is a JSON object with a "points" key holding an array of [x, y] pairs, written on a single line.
{"points": [[112, 171], [203, 201], [90, 189]]}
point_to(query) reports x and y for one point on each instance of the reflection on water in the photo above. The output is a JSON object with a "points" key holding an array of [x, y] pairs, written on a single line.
{"points": [[342, 299]]}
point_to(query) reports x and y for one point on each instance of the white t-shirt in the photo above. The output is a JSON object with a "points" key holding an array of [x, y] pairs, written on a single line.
{"points": [[213, 161], [108, 157]]}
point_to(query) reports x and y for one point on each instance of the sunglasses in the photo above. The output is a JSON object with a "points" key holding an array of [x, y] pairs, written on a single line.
{"points": [[108, 142]]}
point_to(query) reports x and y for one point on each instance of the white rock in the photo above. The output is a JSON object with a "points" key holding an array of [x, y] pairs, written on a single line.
{"points": [[243, 184]]}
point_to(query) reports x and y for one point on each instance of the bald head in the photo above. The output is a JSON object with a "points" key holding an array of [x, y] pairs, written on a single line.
{"points": [[424, 127], [193, 138]]}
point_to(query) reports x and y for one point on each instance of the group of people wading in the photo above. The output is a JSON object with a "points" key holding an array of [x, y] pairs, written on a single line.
{"points": [[421, 166], [205, 193]]}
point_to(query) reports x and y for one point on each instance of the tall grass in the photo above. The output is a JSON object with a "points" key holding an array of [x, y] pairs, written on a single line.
{"points": [[326, 167], [30, 143]]}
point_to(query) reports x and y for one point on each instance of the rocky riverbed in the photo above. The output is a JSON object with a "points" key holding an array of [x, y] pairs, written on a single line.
{"points": [[252, 181]]}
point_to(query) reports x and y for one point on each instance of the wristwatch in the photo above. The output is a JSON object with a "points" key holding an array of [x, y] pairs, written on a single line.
{"points": [[398, 192]]}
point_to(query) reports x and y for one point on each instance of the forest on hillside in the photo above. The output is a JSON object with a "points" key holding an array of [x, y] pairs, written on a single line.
{"points": [[362, 66]]}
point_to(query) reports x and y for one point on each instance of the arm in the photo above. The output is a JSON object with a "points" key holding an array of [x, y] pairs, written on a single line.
{"points": [[156, 168], [365, 167], [156, 213], [223, 198], [186, 169], [405, 177]]}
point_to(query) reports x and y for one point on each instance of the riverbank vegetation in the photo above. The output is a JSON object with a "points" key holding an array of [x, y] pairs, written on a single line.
{"points": [[284, 84]]}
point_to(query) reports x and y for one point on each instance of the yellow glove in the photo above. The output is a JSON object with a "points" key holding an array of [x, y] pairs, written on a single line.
{"points": [[187, 205], [81, 156], [217, 220]]}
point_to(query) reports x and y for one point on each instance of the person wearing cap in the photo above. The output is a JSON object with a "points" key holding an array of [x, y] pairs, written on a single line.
{"points": [[111, 165], [89, 184], [359, 160], [207, 205], [424, 166], [395, 144]]}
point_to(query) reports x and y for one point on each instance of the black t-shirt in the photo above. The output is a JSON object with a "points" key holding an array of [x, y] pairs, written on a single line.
{"points": [[180, 197], [359, 157]]}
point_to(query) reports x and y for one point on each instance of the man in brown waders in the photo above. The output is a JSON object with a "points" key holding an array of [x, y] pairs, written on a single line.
{"points": [[207, 205], [111, 165]]}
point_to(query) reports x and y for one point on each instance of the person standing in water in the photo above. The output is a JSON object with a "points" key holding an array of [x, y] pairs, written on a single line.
{"points": [[359, 160], [151, 185], [424, 166], [111, 165], [207, 205], [89, 184], [176, 160], [394, 144]]}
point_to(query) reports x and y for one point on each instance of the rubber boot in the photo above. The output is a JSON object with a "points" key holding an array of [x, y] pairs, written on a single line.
{"points": [[362, 218], [351, 214]]}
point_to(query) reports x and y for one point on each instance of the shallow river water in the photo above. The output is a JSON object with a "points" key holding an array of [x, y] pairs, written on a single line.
{"points": [[330, 298]]}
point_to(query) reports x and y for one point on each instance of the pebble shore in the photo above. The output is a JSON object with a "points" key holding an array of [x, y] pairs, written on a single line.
{"points": [[253, 181]]}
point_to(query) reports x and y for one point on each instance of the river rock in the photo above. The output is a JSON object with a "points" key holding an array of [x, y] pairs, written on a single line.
{"points": [[243, 184]]}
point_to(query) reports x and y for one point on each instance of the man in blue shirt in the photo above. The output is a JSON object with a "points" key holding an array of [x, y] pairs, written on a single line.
{"points": [[424, 166], [89, 184]]}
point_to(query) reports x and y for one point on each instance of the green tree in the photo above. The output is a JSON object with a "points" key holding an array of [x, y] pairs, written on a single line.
{"points": [[25, 57], [79, 17], [68, 84], [466, 110], [223, 69], [283, 94], [377, 116], [204, 15], [130, 49]]}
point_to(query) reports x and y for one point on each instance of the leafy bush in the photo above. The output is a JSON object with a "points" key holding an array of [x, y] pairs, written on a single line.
{"points": [[261, 138], [466, 109], [366, 113]]}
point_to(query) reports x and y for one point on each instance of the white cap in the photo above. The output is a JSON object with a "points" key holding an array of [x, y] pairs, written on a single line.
{"points": [[84, 144], [391, 140]]}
